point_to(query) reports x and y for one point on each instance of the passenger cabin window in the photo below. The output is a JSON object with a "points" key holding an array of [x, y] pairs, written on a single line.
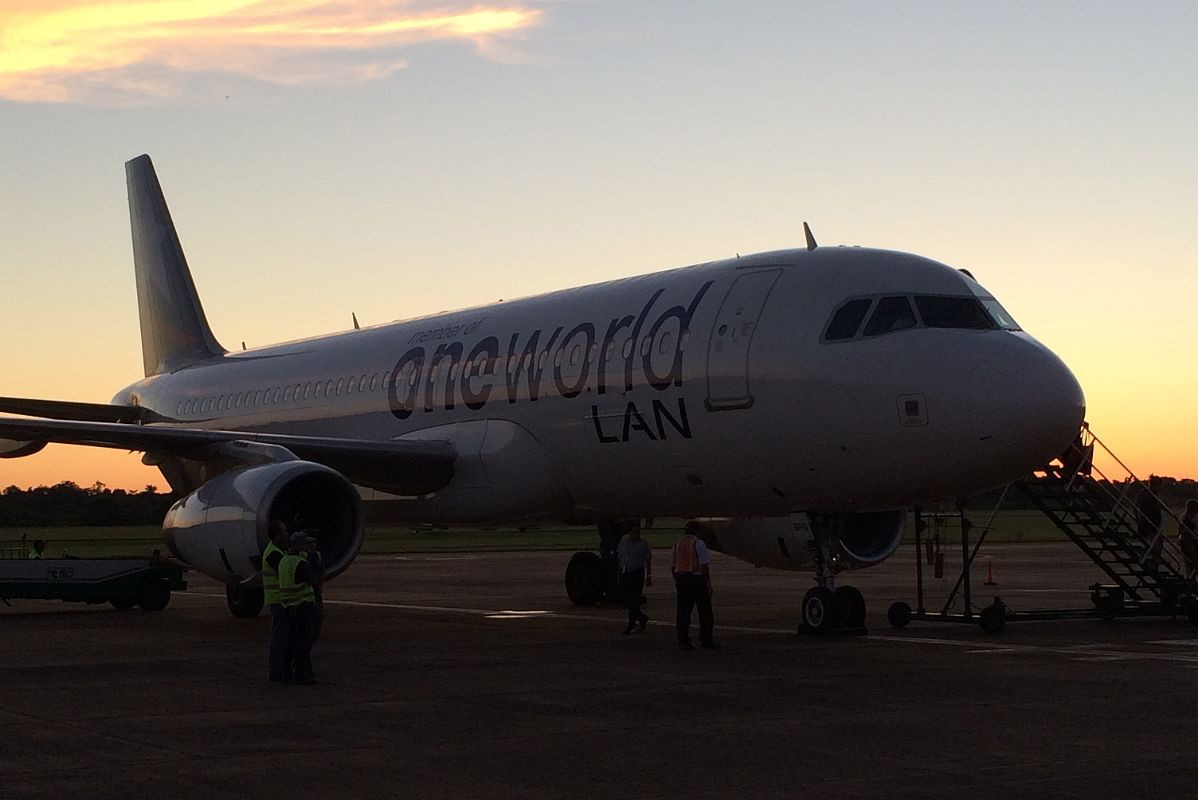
{"points": [[953, 312], [890, 314], [847, 319]]}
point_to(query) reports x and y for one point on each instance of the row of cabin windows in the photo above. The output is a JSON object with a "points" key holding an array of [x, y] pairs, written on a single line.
{"points": [[263, 398], [897, 313]]}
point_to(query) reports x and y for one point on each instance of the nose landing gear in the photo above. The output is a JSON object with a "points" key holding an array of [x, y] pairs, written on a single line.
{"points": [[828, 608]]}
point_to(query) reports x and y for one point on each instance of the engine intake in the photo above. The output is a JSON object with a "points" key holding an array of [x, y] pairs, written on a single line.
{"points": [[221, 528], [857, 540], [866, 538]]}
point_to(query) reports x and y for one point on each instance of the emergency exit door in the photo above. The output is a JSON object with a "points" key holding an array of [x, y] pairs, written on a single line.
{"points": [[731, 339]]}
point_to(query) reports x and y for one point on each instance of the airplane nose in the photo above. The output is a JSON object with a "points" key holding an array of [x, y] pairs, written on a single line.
{"points": [[1036, 406]]}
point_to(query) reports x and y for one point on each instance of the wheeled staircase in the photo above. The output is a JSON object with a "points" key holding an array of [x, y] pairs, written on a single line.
{"points": [[1103, 518]]}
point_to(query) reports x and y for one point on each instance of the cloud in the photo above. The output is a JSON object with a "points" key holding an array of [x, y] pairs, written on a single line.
{"points": [[72, 50]]}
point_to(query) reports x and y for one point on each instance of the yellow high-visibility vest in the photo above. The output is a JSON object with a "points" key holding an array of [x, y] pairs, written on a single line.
{"points": [[291, 593], [270, 576]]}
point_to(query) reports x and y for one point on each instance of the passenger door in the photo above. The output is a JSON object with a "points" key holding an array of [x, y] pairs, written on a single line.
{"points": [[731, 338]]}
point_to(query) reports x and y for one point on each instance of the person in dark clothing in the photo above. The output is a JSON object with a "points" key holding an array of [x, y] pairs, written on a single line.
{"points": [[636, 572], [316, 562], [1187, 536], [689, 561], [1148, 520], [1078, 459], [276, 548], [297, 589]]}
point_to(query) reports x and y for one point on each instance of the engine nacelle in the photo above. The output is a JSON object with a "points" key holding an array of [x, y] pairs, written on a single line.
{"points": [[221, 528], [856, 540]]}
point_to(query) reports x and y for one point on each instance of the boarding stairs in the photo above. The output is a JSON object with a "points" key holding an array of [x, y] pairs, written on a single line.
{"points": [[1101, 515]]}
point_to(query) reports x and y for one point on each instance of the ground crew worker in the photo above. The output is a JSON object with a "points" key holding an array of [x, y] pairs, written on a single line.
{"points": [[37, 549], [316, 562], [1148, 520], [276, 548], [298, 595], [689, 561], [636, 572], [1188, 535]]}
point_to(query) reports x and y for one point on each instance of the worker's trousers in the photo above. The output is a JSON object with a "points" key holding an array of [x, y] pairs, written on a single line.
{"points": [[692, 592]]}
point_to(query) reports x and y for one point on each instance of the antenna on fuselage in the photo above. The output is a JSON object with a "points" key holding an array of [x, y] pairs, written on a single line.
{"points": [[811, 243], [357, 327]]}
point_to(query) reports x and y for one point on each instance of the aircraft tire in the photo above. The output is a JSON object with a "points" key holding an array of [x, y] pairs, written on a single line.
{"points": [[586, 579], [823, 611], [899, 615], [1189, 605], [153, 595], [854, 601], [1108, 608], [994, 618], [245, 602]]}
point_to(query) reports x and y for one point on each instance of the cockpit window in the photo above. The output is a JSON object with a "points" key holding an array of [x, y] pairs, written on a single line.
{"points": [[999, 314], [890, 314], [847, 319], [953, 312], [897, 313]]}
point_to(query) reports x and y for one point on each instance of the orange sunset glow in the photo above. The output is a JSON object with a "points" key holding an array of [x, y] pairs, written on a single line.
{"points": [[57, 52], [391, 159]]}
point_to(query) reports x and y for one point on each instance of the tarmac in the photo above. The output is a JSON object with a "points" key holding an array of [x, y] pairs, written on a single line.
{"points": [[471, 676]]}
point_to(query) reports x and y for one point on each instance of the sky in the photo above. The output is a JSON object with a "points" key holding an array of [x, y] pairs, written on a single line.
{"points": [[393, 159]]}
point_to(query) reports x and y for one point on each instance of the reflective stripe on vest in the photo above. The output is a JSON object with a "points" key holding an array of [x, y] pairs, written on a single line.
{"points": [[291, 593], [270, 576], [686, 555]]}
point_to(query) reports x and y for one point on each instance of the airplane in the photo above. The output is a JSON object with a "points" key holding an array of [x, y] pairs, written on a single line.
{"points": [[797, 402]]}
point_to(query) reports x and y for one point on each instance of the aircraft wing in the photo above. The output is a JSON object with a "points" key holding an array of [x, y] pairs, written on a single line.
{"points": [[413, 467], [87, 412]]}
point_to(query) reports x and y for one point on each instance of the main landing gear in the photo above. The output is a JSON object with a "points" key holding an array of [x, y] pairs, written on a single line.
{"points": [[828, 608], [244, 600], [592, 577]]}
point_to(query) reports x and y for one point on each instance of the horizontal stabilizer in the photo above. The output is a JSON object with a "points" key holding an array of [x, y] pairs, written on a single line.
{"points": [[12, 448], [84, 412]]}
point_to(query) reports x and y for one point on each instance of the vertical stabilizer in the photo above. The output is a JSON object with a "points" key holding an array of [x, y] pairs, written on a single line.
{"points": [[174, 331]]}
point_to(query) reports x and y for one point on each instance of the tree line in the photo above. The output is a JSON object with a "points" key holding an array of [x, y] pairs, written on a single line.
{"points": [[1174, 493], [67, 504]]}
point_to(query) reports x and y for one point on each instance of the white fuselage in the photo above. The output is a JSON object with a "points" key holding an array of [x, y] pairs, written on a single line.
{"points": [[707, 390]]}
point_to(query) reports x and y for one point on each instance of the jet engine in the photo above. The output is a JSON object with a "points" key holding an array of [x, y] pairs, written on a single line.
{"points": [[855, 539], [865, 539], [221, 528]]}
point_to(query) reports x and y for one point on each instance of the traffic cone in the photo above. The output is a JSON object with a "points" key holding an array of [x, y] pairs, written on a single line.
{"points": [[990, 571]]}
